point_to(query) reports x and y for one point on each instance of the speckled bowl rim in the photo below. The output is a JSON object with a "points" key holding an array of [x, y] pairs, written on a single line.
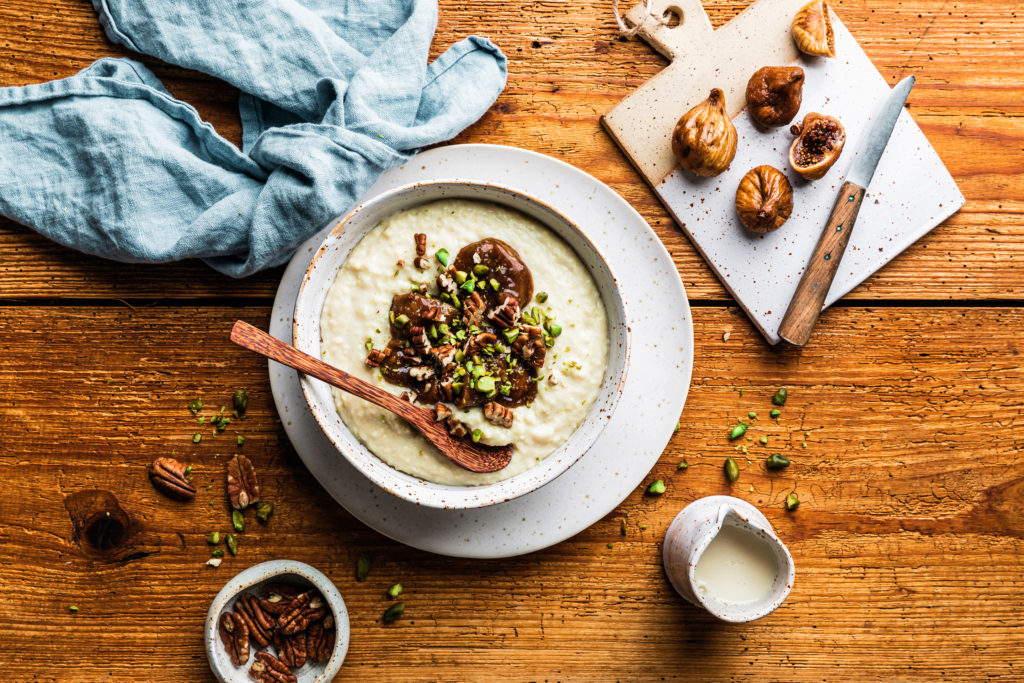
{"points": [[246, 579], [420, 491]]}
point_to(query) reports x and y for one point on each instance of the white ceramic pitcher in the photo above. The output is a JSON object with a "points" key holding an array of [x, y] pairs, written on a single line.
{"points": [[692, 531]]}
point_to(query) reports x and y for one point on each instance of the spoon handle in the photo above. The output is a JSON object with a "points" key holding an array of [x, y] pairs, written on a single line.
{"points": [[255, 339]]}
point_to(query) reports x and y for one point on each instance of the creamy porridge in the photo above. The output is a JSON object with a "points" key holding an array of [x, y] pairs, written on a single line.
{"points": [[470, 308]]}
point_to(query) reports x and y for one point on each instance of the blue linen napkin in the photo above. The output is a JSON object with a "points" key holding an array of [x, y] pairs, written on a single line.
{"points": [[335, 92]]}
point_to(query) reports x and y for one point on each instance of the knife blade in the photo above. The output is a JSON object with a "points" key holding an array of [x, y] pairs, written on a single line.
{"points": [[805, 306]]}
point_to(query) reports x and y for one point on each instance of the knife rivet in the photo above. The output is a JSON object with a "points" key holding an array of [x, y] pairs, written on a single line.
{"points": [[828, 256]]}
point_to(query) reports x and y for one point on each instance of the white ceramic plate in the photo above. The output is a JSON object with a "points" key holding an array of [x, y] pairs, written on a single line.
{"points": [[661, 360]]}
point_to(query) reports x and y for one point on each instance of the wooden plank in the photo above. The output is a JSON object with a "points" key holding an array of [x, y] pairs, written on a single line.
{"points": [[907, 541], [567, 68]]}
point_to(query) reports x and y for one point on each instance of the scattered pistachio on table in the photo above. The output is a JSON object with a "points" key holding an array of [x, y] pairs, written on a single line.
{"points": [[232, 544], [792, 501], [394, 612], [779, 398], [656, 488], [362, 567], [240, 401], [213, 538], [395, 591], [738, 431], [237, 521], [776, 461], [732, 470], [682, 465], [264, 510]]}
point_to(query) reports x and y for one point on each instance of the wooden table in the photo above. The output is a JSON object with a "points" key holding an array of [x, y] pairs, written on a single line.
{"points": [[909, 537]]}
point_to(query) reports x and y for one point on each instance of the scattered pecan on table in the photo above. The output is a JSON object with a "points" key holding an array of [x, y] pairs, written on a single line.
{"points": [[242, 484], [169, 478]]}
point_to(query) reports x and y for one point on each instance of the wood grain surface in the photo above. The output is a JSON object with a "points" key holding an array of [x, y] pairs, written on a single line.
{"points": [[909, 536]]}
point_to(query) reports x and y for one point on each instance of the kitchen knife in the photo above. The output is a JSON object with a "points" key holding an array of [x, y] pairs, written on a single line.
{"points": [[805, 307]]}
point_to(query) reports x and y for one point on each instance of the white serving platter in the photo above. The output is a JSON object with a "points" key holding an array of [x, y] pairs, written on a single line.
{"points": [[653, 394]]}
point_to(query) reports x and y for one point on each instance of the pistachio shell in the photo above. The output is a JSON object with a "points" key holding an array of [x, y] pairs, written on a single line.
{"points": [[764, 199], [812, 30], [704, 139]]}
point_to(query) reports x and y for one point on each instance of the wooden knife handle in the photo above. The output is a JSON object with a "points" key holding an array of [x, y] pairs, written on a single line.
{"points": [[805, 307]]}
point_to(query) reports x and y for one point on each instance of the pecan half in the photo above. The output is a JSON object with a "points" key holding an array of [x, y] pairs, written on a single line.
{"points": [[457, 428], [421, 243], [291, 649], [421, 373], [260, 625], [376, 357], [284, 590], [419, 339], [477, 342], [421, 262], [447, 391], [303, 611], [169, 478], [243, 486], [473, 309], [235, 636], [275, 604], [446, 281], [444, 355], [507, 314], [529, 345], [320, 640], [442, 412], [269, 669], [497, 414]]}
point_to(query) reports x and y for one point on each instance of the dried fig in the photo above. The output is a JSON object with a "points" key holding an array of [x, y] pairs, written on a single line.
{"points": [[812, 30], [704, 140], [774, 94], [764, 199], [819, 143]]}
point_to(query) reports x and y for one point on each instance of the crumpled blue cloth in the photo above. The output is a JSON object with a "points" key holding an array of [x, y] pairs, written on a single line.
{"points": [[335, 92]]}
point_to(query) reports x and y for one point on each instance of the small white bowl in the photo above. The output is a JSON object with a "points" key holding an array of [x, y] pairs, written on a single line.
{"points": [[251, 580], [306, 336]]}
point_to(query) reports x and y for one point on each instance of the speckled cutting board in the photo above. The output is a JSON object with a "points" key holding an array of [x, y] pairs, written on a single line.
{"points": [[911, 192]]}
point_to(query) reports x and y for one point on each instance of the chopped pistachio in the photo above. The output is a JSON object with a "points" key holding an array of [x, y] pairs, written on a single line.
{"points": [[775, 413], [677, 427], [73, 608], [240, 400], [541, 297], [682, 465], [656, 488], [239, 439], [232, 544], [549, 341], [732, 470], [763, 439], [395, 591], [362, 567], [476, 435], [368, 344], [752, 415], [264, 511], [213, 538], [792, 501], [643, 527], [394, 612], [201, 420], [495, 285], [553, 329], [485, 384], [188, 471], [217, 552], [401, 320], [443, 256], [609, 546], [197, 437], [480, 270], [237, 520], [779, 398], [738, 431], [511, 334], [195, 405], [460, 277]]}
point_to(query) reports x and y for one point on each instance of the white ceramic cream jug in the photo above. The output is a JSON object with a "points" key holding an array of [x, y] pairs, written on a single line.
{"points": [[692, 532]]}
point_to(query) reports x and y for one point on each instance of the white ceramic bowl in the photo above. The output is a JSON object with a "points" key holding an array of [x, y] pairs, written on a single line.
{"points": [[306, 336], [251, 580]]}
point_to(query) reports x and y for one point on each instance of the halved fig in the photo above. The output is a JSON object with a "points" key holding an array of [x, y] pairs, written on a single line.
{"points": [[819, 143]]}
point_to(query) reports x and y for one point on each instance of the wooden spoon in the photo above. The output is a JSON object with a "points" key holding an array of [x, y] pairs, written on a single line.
{"points": [[465, 454]]}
